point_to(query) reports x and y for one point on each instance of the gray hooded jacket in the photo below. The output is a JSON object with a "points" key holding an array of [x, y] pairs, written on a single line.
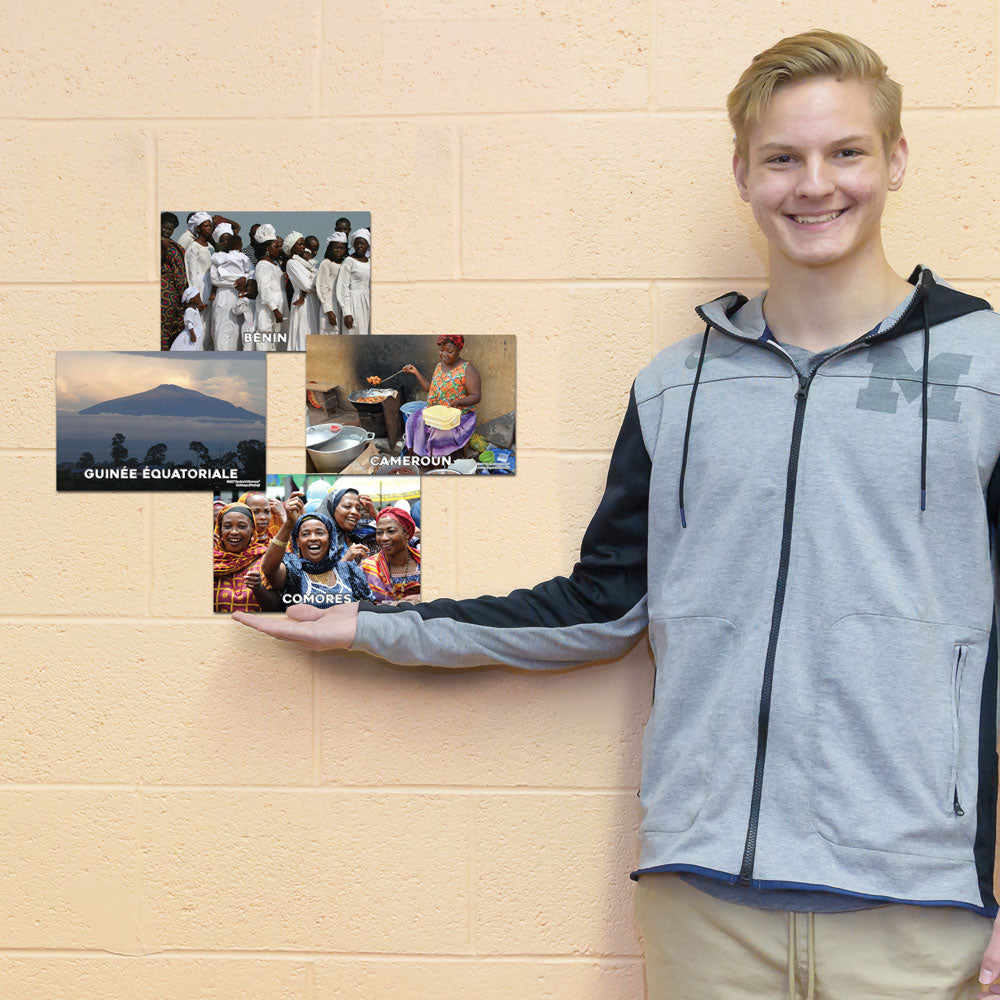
{"points": [[812, 554]]}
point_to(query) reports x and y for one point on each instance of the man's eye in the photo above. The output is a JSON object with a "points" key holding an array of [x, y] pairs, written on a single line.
{"points": [[780, 158], [850, 154]]}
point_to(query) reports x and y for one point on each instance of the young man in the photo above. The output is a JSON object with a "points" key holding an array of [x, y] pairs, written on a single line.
{"points": [[814, 569]]}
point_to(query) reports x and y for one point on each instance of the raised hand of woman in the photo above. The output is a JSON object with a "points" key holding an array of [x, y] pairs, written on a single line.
{"points": [[294, 506], [355, 553], [369, 506]]}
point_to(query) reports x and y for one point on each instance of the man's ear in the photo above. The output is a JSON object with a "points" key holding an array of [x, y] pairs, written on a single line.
{"points": [[740, 173], [899, 156]]}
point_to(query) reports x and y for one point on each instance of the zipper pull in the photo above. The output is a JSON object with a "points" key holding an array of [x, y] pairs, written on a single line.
{"points": [[959, 811], [803, 387]]}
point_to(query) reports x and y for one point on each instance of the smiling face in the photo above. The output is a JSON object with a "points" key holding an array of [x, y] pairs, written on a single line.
{"points": [[348, 512], [390, 536], [314, 540], [817, 173], [236, 531], [448, 353]]}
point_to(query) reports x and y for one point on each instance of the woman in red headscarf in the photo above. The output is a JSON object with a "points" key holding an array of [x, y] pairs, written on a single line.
{"points": [[238, 584], [455, 383], [394, 574]]}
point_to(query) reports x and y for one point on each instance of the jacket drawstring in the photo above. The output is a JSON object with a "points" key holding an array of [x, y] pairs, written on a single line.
{"points": [[923, 433], [687, 428]]}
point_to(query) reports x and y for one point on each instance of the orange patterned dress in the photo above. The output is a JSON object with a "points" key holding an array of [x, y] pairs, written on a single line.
{"points": [[449, 385]]}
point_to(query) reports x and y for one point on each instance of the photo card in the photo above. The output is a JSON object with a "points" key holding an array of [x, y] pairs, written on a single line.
{"points": [[317, 540], [411, 404], [262, 280], [143, 420]]}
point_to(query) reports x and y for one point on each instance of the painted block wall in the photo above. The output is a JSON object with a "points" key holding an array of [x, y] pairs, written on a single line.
{"points": [[190, 810]]}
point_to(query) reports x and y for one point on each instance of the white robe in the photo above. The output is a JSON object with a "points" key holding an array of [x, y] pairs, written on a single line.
{"points": [[192, 324], [270, 296], [354, 293], [304, 319], [326, 285], [225, 270], [244, 313], [185, 239], [198, 265]]}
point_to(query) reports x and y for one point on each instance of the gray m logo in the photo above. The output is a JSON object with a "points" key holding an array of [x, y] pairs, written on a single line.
{"points": [[890, 366]]}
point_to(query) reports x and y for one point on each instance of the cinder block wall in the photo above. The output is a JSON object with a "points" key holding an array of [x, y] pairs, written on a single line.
{"points": [[192, 811]]}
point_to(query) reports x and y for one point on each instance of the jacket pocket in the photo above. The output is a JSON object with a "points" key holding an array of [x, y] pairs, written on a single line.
{"points": [[893, 739], [696, 700]]}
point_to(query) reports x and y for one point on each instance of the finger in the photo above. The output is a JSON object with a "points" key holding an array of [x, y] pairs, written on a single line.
{"points": [[990, 968], [305, 612], [277, 628]]}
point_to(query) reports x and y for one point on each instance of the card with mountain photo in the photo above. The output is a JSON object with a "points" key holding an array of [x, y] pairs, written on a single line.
{"points": [[142, 420]]}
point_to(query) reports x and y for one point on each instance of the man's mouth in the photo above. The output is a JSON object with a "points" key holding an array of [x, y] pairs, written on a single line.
{"points": [[812, 220]]}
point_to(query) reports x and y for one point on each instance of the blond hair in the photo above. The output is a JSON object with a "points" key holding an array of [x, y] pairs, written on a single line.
{"points": [[815, 53]]}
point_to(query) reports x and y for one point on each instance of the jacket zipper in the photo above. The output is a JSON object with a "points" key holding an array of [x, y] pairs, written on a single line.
{"points": [[961, 653], [764, 712]]}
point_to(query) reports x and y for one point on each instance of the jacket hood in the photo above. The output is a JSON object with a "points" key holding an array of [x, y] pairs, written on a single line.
{"points": [[739, 316]]}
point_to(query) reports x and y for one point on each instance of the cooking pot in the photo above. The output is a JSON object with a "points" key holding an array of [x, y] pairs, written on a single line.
{"points": [[333, 447]]}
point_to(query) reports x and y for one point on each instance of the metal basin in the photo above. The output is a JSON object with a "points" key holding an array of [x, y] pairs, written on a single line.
{"points": [[333, 450]]}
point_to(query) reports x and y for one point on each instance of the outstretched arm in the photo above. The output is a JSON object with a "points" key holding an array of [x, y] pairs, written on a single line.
{"points": [[597, 612]]}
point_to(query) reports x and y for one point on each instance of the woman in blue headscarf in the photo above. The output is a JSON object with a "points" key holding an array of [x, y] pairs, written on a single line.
{"points": [[353, 517], [312, 570]]}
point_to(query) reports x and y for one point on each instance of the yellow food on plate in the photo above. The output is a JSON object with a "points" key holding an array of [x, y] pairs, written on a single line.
{"points": [[441, 417]]}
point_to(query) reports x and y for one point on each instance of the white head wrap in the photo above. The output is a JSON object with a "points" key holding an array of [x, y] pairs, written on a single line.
{"points": [[364, 234], [337, 238], [189, 293], [220, 229], [290, 240], [265, 233], [197, 219]]}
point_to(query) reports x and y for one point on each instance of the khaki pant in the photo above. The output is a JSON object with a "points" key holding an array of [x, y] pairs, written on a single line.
{"points": [[700, 948]]}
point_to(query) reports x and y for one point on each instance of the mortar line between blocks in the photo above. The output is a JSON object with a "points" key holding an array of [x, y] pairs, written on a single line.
{"points": [[150, 556], [311, 981], [654, 326], [996, 52], [651, 75], [152, 172], [233, 955], [456, 200], [470, 868], [436, 791], [317, 732], [140, 872], [694, 111], [453, 538], [318, 89]]}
